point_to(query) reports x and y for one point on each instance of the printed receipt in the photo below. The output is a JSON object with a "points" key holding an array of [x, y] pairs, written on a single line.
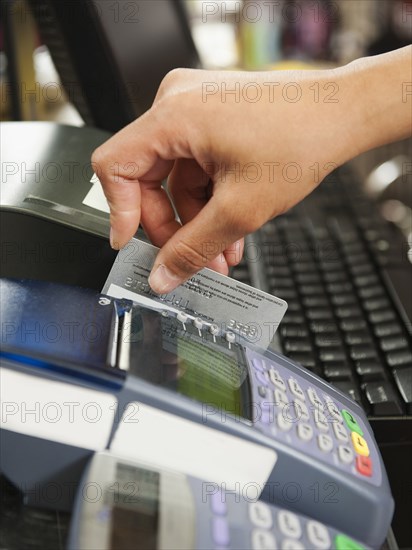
{"points": [[232, 305]]}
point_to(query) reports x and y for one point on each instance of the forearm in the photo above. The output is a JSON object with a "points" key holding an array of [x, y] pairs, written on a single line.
{"points": [[379, 99]]}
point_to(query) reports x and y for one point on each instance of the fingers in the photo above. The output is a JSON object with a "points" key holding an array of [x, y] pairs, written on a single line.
{"points": [[131, 166], [234, 252], [196, 244]]}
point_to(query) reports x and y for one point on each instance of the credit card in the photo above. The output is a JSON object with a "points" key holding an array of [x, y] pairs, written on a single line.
{"points": [[214, 298]]}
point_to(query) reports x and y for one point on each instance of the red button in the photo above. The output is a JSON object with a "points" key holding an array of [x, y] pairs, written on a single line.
{"points": [[364, 465]]}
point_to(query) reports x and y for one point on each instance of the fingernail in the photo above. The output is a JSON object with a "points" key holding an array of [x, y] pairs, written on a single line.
{"points": [[114, 243], [162, 280], [221, 258]]}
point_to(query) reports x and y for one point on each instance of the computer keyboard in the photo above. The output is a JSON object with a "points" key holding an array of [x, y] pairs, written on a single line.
{"points": [[345, 273]]}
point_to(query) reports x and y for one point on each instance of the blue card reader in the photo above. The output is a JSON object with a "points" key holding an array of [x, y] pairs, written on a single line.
{"points": [[200, 372]]}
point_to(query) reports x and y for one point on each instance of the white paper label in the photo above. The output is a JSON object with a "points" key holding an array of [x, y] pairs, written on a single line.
{"points": [[56, 411], [160, 438], [96, 198]]}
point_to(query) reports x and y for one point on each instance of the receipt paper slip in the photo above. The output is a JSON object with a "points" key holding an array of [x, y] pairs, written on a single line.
{"points": [[214, 298]]}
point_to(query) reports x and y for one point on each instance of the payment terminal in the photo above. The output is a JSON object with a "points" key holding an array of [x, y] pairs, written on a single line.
{"points": [[123, 504], [190, 392]]}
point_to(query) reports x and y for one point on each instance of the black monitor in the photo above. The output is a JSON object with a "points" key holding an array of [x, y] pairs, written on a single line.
{"points": [[112, 55]]}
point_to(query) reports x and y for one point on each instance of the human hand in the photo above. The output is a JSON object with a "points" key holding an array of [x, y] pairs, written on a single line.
{"points": [[237, 148]]}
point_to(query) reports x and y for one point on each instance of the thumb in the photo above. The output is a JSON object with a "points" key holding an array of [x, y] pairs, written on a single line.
{"points": [[193, 246]]}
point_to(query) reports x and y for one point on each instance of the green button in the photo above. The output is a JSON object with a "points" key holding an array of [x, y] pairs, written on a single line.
{"points": [[345, 543], [351, 422]]}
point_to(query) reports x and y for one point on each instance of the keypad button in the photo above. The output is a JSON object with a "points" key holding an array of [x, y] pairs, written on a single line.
{"points": [[318, 535], [321, 421], [289, 524], [260, 515], [296, 389], [220, 531], [351, 422], [263, 540], [359, 444], [261, 378], [331, 409], [304, 432], [342, 542], [325, 443], [364, 465], [218, 503], [299, 411], [340, 432], [276, 379], [283, 422], [345, 454], [290, 544], [258, 365], [262, 391], [314, 398], [280, 397]]}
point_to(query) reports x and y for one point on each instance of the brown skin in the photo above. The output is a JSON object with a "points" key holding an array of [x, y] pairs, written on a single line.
{"points": [[235, 161]]}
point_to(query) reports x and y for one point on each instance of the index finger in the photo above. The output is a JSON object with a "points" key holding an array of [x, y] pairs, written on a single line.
{"points": [[141, 154]]}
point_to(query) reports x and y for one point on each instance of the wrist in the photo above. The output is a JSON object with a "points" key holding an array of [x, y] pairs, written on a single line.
{"points": [[378, 109]]}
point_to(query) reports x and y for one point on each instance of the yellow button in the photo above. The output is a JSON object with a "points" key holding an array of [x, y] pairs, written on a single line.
{"points": [[361, 447]]}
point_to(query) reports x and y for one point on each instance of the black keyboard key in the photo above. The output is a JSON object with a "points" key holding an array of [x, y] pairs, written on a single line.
{"points": [[294, 306], [293, 319], [335, 277], [369, 292], [282, 282], [403, 379], [358, 338], [349, 312], [315, 301], [382, 316], [320, 314], [374, 304], [343, 299], [307, 278], [297, 253], [350, 388], [324, 327], [382, 398], [278, 271], [309, 267], [333, 354], [366, 280], [353, 325], [297, 345], [370, 370], [399, 358], [328, 340], [388, 329], [311, 290], [360, 353], [285, 293], [293, 331], [329, 262], [394, 343], [362, 269], [339, 288], [358, 259], [337, 371], [350, 249]]}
